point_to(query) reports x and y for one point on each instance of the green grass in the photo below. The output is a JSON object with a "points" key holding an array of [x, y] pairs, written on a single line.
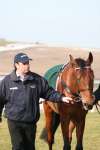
{"points": [[91, 135]]}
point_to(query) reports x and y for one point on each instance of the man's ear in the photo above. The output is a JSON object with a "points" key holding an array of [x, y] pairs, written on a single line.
{"points": [[16, 65]]}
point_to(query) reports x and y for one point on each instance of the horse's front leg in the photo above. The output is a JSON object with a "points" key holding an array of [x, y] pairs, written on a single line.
{"points": [[67, 129], [79, 134]]}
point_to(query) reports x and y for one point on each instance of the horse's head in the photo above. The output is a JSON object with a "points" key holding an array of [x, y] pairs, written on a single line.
{"points": [[79, 80]]}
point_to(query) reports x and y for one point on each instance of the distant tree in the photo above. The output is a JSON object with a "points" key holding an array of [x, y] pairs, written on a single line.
{"points": [[4, 42]]}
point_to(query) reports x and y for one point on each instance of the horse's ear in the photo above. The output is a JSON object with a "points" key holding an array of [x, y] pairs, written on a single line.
{"points": [[90, 59], [72, 60]]}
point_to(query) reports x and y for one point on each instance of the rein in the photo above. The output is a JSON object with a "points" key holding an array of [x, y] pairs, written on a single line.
{"points": [[76, 98]]}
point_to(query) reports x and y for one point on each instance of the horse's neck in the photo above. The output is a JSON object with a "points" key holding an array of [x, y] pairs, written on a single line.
{"points": [[62, 84]]}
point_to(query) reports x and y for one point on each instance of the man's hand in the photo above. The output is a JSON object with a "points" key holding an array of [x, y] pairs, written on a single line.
{"points": [[67, 100]]}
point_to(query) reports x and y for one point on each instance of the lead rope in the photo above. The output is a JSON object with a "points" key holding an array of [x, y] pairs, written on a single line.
{"points": [[97, 105]]}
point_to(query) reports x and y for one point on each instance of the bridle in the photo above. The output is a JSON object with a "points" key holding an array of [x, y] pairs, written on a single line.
{"points": [[79, 79], [76, 96]]}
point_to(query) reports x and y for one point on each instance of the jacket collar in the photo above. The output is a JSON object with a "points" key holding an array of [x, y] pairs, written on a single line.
{"points": [[14, 77]]}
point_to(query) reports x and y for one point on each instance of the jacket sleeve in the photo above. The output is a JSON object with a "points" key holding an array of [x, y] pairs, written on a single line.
{"points": [[50, 94], [2, 96], [97, 94]]}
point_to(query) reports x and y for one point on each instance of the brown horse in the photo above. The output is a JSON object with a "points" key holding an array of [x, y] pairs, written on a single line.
{"points": [[75, 81]]}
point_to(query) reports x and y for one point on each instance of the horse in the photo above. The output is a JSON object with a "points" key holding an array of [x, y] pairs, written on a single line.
{"points": [[75, 81]]}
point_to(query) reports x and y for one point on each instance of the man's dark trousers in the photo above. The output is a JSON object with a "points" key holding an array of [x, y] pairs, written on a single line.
{"points": [[22, 135]]}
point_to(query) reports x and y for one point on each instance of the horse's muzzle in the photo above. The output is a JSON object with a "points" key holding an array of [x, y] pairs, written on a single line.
{"points": [[87, 106]]}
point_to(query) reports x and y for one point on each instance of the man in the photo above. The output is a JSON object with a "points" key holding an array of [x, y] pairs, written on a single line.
{"points": [[19, 93]]}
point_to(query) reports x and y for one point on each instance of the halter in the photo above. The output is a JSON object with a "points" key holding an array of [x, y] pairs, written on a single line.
{"points": [[77, 97], [78, 80]]}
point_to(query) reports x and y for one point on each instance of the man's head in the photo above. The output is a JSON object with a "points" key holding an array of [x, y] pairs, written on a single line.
{"points": [[21, 63]]}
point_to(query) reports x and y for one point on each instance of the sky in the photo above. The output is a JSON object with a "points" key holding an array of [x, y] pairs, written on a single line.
{"points": [[69, 22]]}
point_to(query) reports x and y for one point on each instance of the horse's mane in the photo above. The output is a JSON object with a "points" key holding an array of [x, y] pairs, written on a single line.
{"points": [[80, 62]]}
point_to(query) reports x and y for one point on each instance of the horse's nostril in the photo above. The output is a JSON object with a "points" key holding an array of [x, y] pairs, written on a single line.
{"points": [[90, 107], [87, 106]]}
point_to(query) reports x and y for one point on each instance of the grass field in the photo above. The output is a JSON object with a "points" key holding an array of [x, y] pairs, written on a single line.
{"points": [[91, 135]]}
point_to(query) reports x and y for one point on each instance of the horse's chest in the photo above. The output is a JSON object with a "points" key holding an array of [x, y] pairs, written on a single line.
{"points": [[71, 111]]}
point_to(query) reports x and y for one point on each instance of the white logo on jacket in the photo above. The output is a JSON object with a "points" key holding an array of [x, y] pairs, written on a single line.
{"points": [[33, 86], [14, 88]]}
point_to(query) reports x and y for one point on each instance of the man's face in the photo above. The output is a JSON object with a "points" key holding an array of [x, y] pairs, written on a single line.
{"points": [[22, 68]]}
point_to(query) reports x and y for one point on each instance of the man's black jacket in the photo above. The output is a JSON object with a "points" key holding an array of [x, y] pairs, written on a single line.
{"points": [[21, 99], [97, 94]]}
